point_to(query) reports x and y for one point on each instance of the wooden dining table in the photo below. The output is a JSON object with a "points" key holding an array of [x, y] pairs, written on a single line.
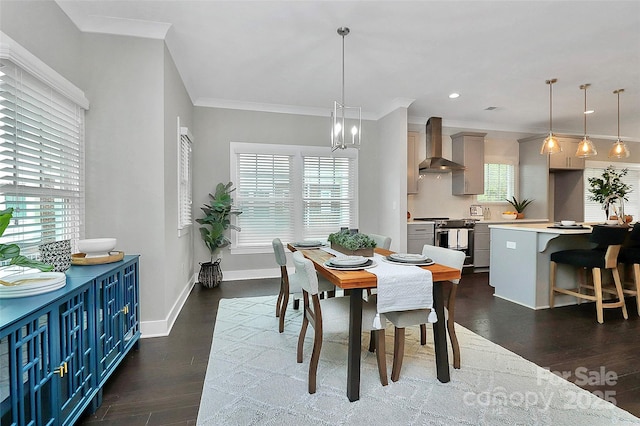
{"points": [[356, 282]]}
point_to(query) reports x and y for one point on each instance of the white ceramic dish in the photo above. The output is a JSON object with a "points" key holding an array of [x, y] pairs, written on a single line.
{"points": [[50, 281], [370, 263], [348, 260], [509, 216], [97, 247], [425, 262], [611, 222], [408, 257], [308, 244], [568, 222]]}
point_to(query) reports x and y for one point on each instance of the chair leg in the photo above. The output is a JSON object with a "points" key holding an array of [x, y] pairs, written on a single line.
{"points": [[597, 288], [398, 353], [451, 307], [303, 333], [279, 302], [636, 280], [283, 311], [372, 341], [423, 334], [296, 304], [552, 283], [315, 357], [618, 283], [581, 280], [381, 356]]}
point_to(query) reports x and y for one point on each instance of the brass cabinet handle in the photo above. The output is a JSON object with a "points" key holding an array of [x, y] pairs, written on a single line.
{"points": [[125, 309], [62, 370]]}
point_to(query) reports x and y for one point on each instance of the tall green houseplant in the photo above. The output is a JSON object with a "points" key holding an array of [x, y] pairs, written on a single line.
{"points": [[216, 221], [11, 252], [609, 188]]}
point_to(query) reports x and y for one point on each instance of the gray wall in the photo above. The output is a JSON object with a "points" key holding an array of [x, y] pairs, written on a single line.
{"points": [[215, 128], [135, 95]]}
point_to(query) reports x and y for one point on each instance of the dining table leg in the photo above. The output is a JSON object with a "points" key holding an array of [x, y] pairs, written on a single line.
{"points": [[355, 343], [440, 335]]}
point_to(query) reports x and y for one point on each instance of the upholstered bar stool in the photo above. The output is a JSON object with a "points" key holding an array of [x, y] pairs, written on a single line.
{"points": [[630, 255], [609, 240]]}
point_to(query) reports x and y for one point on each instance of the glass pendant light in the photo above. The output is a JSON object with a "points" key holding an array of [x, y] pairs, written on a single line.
{"points": [[586, 147], [618, 149], [345, 131], [550, 144]]}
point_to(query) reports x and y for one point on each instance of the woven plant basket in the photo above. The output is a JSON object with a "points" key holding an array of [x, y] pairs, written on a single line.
{"points": [[210, 274]]}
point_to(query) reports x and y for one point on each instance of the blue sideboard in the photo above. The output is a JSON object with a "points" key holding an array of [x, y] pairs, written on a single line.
{"points": [[58, 349]]}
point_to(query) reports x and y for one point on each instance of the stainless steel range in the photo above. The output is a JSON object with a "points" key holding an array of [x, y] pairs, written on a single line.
{"points": [[456, 234]]}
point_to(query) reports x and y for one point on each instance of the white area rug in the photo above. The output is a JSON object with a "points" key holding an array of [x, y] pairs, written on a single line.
{"points": [[253, 379]]}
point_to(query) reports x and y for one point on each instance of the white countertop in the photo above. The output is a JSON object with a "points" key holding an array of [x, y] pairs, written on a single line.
{"points": [[513, 221], [542, 228]]}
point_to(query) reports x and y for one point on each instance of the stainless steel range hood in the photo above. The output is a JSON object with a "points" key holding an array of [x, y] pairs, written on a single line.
{"points": [[435, 163]]}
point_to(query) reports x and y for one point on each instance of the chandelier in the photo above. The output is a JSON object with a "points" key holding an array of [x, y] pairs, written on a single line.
{"points": [[618, 149], [585, 147], [346, 128]]}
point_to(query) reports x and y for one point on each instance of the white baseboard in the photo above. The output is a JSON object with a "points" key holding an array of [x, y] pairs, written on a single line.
{"points": [[162, 328], [251, 274]]}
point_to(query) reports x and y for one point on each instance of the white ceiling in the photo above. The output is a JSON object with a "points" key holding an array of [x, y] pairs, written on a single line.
{"points": [[286, 56]]}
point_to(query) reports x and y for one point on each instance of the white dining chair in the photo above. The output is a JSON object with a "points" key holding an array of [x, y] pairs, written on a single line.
{"points": [[381, 241], [403, 319], [330, 316], [289, 284]]}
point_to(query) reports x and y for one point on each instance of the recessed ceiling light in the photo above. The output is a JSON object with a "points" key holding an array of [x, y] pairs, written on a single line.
{"points": [[454, 95], [491, 108]]}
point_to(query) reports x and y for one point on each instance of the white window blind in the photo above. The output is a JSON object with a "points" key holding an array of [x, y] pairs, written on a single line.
{"points": [[265, 197], [593, 211], [328, 195], [41, 160], [184, 180], [499, 182], [291, 192]]}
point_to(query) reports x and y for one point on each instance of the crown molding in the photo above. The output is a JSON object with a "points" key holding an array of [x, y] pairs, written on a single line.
{"points": [[275, 108], [14, 52], [112, 25]]}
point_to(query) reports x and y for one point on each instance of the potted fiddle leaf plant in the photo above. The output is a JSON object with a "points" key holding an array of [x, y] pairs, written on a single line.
{"points": [[216, 221], [519, 206], [609, 189]]}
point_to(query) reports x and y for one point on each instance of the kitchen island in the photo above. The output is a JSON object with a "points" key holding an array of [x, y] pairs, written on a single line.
{"points": [[519, 264]]}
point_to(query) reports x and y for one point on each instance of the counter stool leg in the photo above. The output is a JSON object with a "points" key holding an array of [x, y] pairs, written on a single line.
{"points": [[552, 283], [597, 288], [618, 283], [636, 281]]}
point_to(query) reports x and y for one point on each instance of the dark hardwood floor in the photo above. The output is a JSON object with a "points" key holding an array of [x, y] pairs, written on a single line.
{"points": [[160, 384]]}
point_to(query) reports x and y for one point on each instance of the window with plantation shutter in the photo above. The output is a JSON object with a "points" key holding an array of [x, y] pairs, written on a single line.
{"points": [[499, 182], [184, 179], [328, 195], [42, 160], [291, 192], [593, 211]]}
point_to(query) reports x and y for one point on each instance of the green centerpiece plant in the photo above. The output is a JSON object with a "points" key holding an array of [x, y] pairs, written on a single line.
{"points": [[352, 243], [609, 189]]}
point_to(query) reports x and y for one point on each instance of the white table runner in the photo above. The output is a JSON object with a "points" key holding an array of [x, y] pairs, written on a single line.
{"points": [[402, 288]]}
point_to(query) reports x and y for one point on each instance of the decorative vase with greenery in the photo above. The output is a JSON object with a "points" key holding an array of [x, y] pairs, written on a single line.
{"points": [[609, 189], [519, 206], [216, 221], [352, 243], [11, 252]]}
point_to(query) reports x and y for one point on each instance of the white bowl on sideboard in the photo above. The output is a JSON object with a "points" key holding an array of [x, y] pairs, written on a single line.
{"points": [[509, 216], [97, 247]]}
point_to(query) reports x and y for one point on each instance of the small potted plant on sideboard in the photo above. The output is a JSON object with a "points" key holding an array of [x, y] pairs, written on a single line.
{"points": [[519, 206]]}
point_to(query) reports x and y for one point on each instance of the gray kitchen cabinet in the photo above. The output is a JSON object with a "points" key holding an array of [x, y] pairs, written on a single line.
{"points": [[467, 148], [481, 246], [566, 159], [412, 162], [419, 234]]}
